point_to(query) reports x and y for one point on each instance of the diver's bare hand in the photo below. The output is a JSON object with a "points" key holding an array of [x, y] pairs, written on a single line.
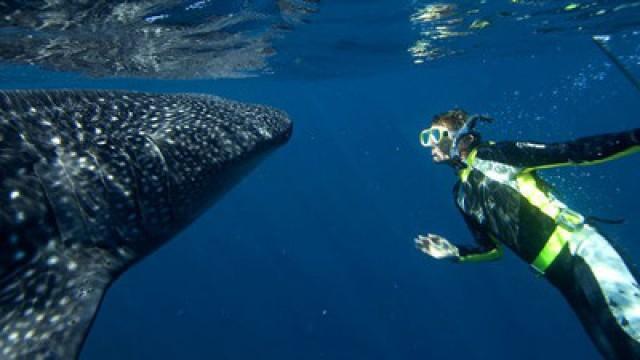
{"points": [[437, 247]]}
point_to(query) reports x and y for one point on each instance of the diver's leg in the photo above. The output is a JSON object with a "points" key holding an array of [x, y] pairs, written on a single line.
{"points": [[605, 295], [587, 300]]}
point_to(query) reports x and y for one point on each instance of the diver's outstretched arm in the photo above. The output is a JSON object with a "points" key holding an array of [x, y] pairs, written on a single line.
{"points": [[583, 151], [441, 248]]}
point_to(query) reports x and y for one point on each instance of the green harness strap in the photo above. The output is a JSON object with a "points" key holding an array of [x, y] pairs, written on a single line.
{"points": [[464, 173], [557, 241], [567, 220]]}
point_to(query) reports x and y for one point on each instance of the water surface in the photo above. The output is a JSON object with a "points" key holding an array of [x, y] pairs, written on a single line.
{"points": [[311, 256]]}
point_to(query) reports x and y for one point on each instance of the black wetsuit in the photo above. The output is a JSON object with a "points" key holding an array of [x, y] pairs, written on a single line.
{"points": [[498, 211]]}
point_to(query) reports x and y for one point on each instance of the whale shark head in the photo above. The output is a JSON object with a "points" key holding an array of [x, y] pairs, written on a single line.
{"points": [[91, 182]]}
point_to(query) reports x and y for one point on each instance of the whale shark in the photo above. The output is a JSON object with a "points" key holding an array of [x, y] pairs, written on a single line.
{"points": [[91, 182]]}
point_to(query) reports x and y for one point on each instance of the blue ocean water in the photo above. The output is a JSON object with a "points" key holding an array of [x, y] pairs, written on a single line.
{"points": [[311, 256]]}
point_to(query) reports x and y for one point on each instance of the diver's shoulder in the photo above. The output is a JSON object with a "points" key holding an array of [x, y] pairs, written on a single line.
{"points": [[497, 151], [489, 146], [506, 145]]}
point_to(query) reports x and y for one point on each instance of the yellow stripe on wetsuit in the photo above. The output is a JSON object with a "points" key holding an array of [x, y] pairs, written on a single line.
{"points": [[632, 150], [560, 236], [464, 173]]}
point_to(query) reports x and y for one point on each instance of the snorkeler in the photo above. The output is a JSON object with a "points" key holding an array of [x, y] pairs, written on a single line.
{"points": [[504, 202]]}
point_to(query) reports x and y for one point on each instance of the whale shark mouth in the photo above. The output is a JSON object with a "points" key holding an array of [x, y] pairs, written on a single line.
{"points": [[93, 181]]}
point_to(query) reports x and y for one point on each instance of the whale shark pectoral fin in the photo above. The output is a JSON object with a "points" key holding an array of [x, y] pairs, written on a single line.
{"points": [[48, 305]]}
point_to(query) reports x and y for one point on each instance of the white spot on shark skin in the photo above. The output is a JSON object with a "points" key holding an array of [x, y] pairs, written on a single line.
{"points": [[72, 265], [52, 244], [13, 337], [20, 217], [56, 140], [19, 255], [14, 194], [22, 324], [53, 260]]}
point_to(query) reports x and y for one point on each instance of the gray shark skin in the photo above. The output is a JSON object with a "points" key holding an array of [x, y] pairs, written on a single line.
{"points": [[91, 182]]}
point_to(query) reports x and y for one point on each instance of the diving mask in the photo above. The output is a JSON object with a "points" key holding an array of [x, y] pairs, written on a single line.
{"points": [[432, 136]]}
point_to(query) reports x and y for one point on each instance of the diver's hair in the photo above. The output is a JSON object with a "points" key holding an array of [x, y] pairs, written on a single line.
{"points": [[453, 119]]}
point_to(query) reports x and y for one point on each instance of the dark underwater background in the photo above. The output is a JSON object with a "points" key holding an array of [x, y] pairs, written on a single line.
{"points": [[312, 257]]}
